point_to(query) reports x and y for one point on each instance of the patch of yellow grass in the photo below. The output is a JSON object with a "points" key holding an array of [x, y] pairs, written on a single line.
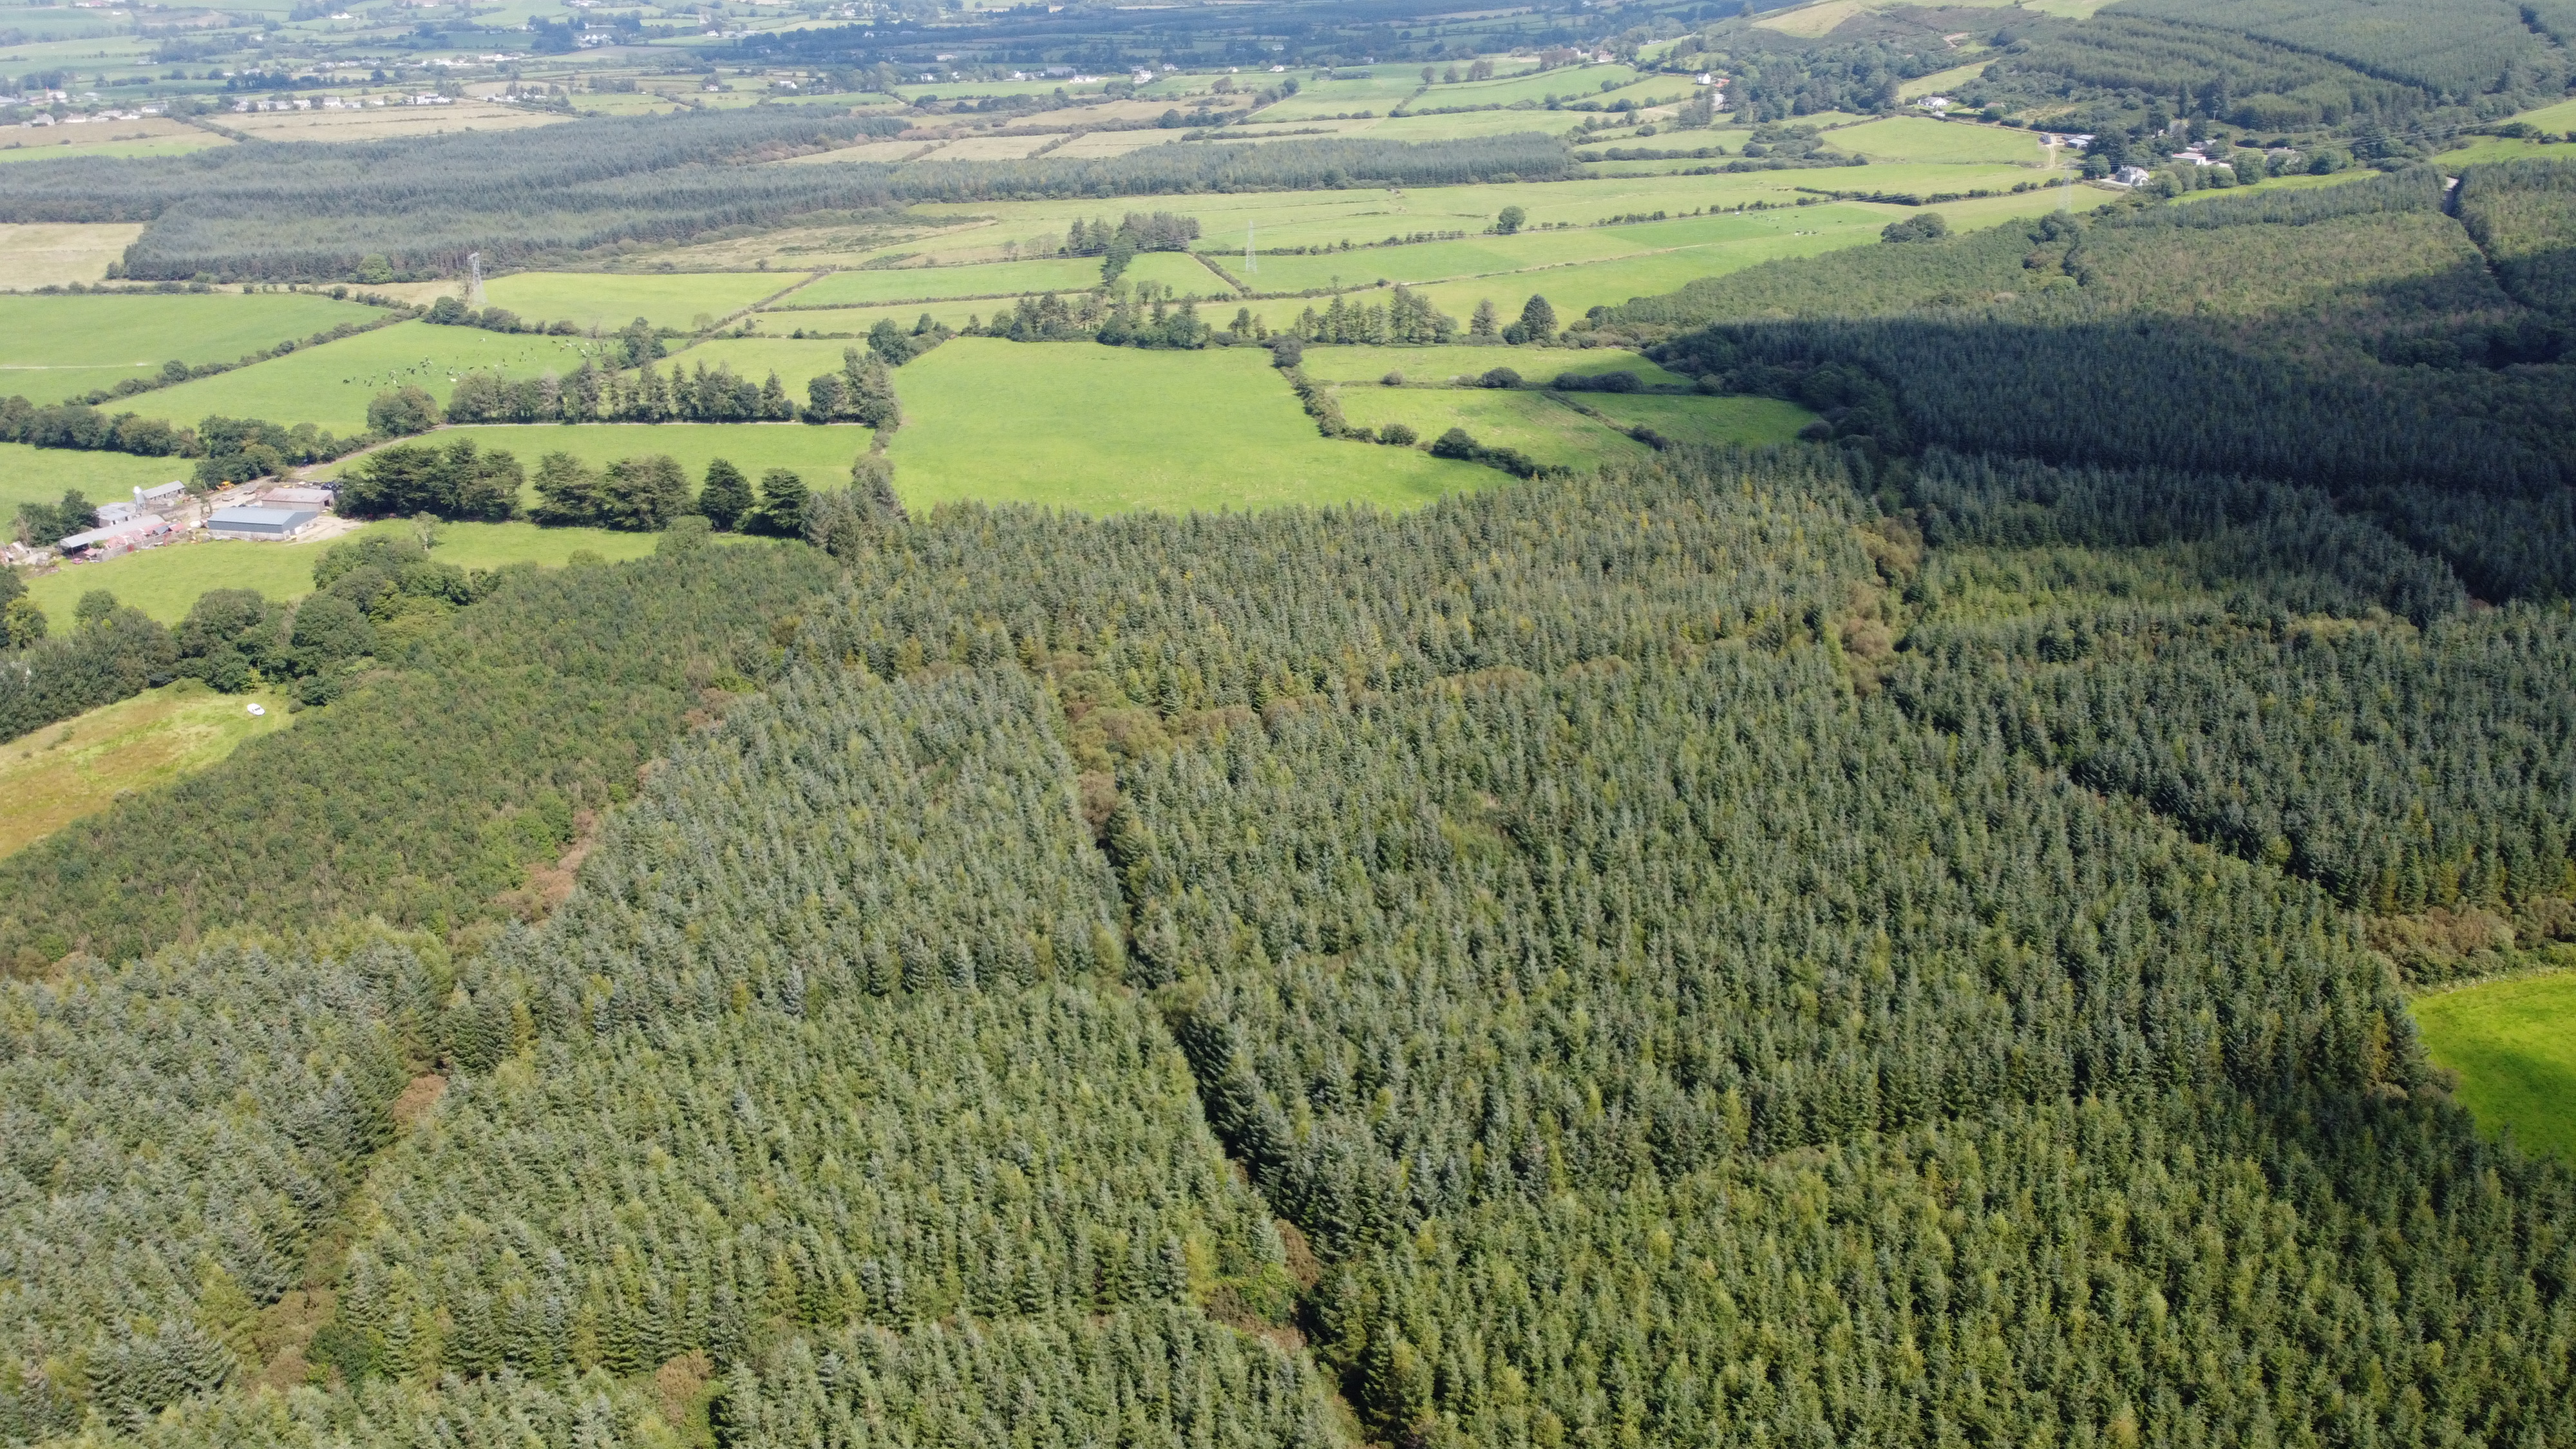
{"points": [[40, 254], [64, 771]]}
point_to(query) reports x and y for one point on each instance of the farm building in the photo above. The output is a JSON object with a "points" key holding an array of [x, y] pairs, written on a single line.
{"points": [[113, 539], [161, 495], [262, 524]]}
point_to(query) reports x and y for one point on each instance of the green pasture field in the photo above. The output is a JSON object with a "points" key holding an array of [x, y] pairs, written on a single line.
{"points": [[2558, 117], [1753, 421], [821, 454], [1573, 290], [2277, 183], [64, 771], [40, 475], [1918, 138], [1439, 364], [1319, 218], [1179, 271], [2513, 1042], [2492, 148], [165, 582], [1941, 80], [1387, 86], [53, 150], [951, 90], [1113, 429], [1474, 256], [1570, 82], [794, 359], [57, 347], [1462, 125], [855, 321], [913, 284], [1533, 422], [606, 301], [330, 386]]}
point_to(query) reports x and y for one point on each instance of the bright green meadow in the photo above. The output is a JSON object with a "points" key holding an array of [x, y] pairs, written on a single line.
{"points": [[820, 454], [1440, 364], [40, 475], [1115, 429], [331, 385], [1752, 421], [1532, 422], [57, 347], [605, 301], [2513, 1042]]}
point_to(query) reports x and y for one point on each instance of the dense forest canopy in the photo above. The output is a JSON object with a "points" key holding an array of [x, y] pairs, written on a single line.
{"points": [[1902, 937]]}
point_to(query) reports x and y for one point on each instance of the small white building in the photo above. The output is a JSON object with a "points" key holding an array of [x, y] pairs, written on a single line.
{"points": [[2129, 176], [160, 496]]}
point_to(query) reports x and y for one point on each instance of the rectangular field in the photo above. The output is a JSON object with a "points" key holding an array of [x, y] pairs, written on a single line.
{"points": [[53, 254], [57, 347], [64, 771], [57, 148], [1753, 421], [1532, 422], [915, 284], [1917, 138], [330, 386], [382, 123], [853, 323], [606, 301], [1440, 364], [1113, 429]]}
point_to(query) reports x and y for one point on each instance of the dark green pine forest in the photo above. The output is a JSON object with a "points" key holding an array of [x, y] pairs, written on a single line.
{"points": [[1898, 939], [1676, 956]]}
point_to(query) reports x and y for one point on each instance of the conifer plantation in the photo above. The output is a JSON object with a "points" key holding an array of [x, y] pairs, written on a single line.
{"points": [[1535, 970], [634, 903]]}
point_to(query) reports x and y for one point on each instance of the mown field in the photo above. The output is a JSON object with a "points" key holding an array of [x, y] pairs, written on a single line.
{"points": [[64, 771], [2513, 1042], [607, 301], [40, 475], [1112, 429], [1753, 421], [330, 386], [165, 582], [1531, 422], [1439, 364], [1920, 139], [57, 347], [53, 254]]}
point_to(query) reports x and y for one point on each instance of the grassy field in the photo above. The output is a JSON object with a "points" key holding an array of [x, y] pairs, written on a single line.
{"points": [[1532, 422], [58, 347], [39, 475], [1917, 138], [855, 321], [1428, 261], [165, 582], [1439, 364], [49, 254], [2513, 1042], [821, 455], [1384, 87], [1941, 82], [65, 771], [1573, 82], [992, 279], [1753, 421], [54, 148], [1111, 429], [386, 122], [608, 301], [331, 385]]}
